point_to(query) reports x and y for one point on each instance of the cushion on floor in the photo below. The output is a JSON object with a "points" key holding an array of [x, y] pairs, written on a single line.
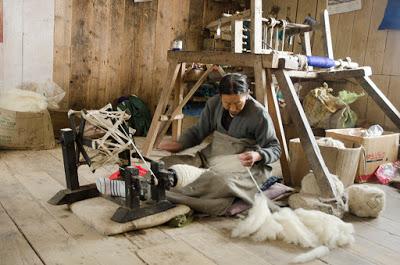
{"points": [[97, 213]]}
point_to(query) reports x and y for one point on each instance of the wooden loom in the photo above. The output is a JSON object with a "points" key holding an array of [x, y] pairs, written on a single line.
{"points": [[265, 62]]}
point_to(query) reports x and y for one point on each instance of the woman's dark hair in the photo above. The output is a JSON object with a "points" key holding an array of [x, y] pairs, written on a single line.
{"points": [[233, 84]]}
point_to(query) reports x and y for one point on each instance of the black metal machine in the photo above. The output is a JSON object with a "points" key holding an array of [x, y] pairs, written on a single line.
{"points": [[138, 190]]}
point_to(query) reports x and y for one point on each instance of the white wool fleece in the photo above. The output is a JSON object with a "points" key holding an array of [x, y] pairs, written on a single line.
{"points": [[301, 227], [365, 200]]}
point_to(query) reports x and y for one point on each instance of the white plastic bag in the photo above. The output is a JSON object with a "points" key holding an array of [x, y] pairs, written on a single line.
{"points": [[22, 101], [50, 90]]}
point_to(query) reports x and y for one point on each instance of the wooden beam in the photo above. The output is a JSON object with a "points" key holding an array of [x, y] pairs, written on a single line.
{"points": [[237, 36], [307, 43], [307, 46], [173, 71], [221, 71], [332, 74], [178, 109], [307, 138], [345, 73], [328, 36], [256, 26], [273, 109], [260, 83], [221, 58], [178, 97], [302, 74], [234, 59], [380, 99]]}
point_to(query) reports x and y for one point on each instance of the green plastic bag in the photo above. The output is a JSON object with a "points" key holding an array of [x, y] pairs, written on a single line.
{"points": [[140, 114], [324, 110], [349, 97]]}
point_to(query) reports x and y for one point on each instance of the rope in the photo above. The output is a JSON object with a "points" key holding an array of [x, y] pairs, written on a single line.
{"points": [[144, 161], [254, 180]]}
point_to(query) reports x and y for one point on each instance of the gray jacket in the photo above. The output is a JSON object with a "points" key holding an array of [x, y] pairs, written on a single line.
{"points": [[253, 122]]}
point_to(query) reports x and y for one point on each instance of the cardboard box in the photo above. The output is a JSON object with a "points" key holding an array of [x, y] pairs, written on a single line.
{"points": [[26, 130], [341, 162], [59, 120], [376, 150]]}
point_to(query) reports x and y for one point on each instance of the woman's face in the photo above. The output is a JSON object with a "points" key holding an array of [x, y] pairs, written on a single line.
{"points": [[234, 103]]}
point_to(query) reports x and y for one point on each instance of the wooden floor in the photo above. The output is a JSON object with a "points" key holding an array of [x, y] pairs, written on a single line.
{"points": [[34, 232]]}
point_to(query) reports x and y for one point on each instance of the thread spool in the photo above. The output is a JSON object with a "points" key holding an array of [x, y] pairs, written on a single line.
{"points": [[320, 62], [177, 45]]}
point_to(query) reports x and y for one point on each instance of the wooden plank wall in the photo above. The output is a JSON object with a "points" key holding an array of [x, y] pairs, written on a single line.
{"points": [[1, 46], [13, 43], [62, 46], [356, 34], [107, 48], [27, 48]]}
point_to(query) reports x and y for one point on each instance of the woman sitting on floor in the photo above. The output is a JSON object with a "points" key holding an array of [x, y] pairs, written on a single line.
{"points": [[243, 136]]}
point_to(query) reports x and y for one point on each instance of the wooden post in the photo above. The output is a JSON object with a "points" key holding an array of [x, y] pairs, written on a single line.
{"points": [[173, 71], [260, 83], [178, 98], [273, 109], [265, 94], [307, 138], [221, 71], [307, 46], [328, 36], [237, 34], [256, 26]]}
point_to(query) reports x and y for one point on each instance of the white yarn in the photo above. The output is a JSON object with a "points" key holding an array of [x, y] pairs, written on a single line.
{"points": [[365, 200], [311, 255], [330, 142], [186, 174], [309, 185], [301, 227]]}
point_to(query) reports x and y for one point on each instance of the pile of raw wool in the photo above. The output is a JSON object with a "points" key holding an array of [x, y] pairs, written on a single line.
{"points": [[330, 142], [314, 228], [309, 196], [365, 200], [306, 228]]}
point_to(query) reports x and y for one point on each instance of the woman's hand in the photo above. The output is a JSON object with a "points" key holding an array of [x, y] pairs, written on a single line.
{"points": [[171, 146], [249, 158]]}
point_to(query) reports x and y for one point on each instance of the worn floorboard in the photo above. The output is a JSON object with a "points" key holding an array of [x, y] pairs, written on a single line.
{"points": [[14, 249], [34, 232]]}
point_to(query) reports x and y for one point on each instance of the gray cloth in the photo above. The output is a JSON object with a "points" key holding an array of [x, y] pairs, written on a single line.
{"points": [[253, 122], [226, 179]]}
